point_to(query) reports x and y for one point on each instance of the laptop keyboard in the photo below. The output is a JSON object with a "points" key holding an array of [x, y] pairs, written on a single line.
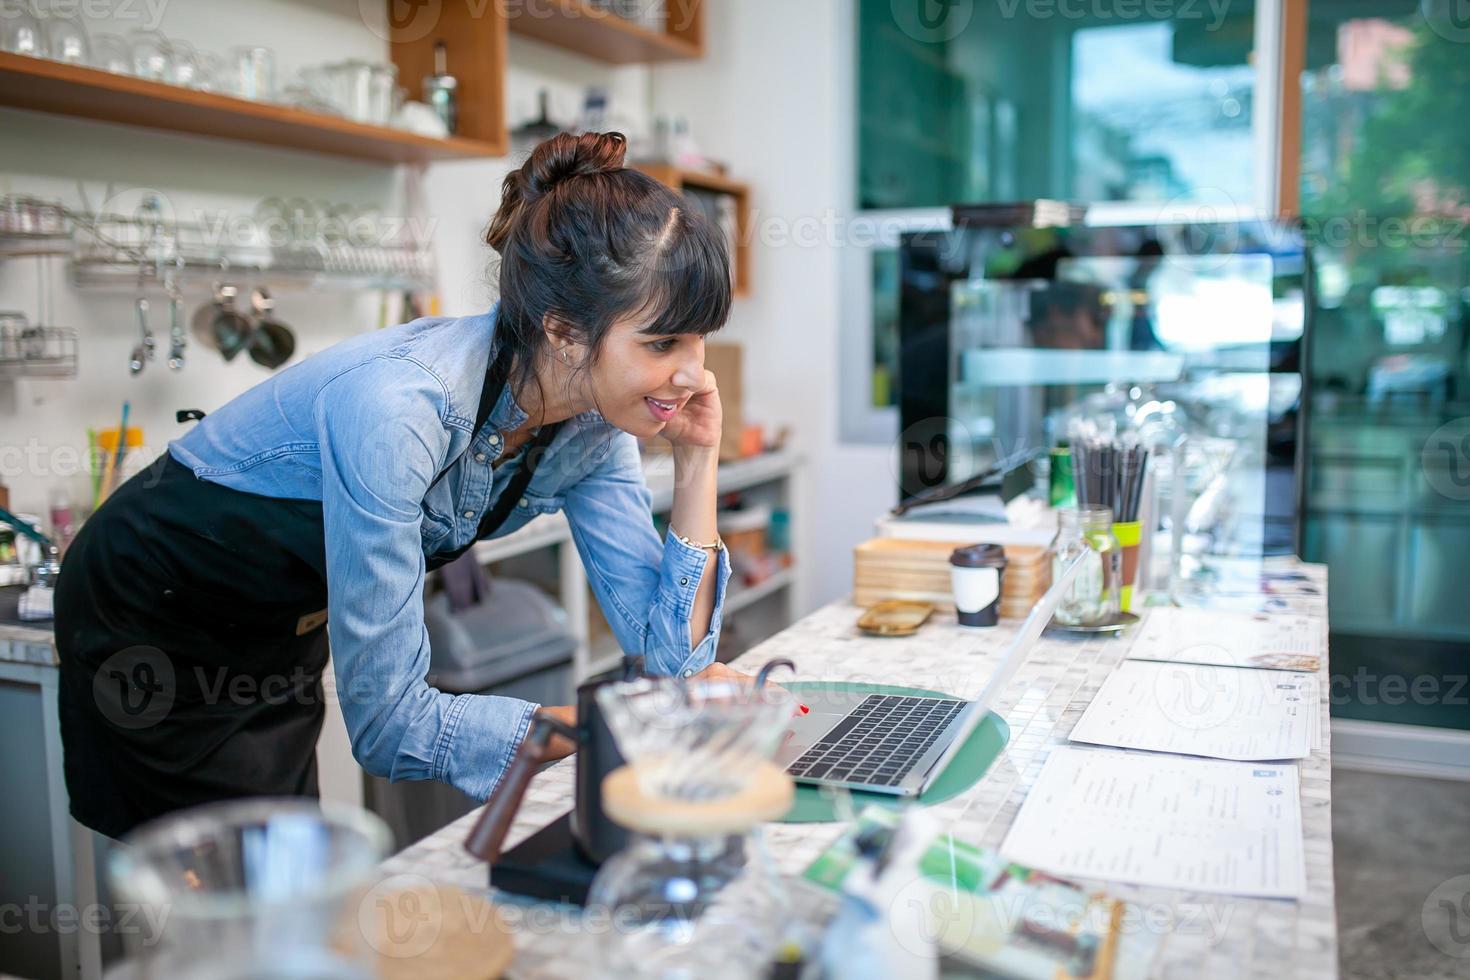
{"points": [[879, 742]]}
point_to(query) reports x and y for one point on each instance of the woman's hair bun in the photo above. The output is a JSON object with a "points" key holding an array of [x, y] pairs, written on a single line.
{"points": [[565, 156], [553, 162]]}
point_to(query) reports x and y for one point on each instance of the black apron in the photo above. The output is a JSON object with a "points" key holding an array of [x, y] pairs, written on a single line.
{"points": [[191, 631]]}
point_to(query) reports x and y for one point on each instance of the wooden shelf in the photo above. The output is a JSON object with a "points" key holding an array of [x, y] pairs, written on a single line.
{"points": [[681, 180], [69, 90], [579, 26]]}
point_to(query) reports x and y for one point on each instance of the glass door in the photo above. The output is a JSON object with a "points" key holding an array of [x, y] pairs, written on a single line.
{"points": [[1385, 166]]}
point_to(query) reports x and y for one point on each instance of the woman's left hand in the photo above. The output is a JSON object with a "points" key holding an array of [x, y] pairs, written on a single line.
{"points": [[697, 424], [720, 672]]}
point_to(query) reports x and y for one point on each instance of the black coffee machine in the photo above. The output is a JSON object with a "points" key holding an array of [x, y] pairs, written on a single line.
{"points": [[558, 862]]}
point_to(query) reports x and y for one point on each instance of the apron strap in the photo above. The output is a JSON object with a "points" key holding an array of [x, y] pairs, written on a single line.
{"points": [[496, 374]]}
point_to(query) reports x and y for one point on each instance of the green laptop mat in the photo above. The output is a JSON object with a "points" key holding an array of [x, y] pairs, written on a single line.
{"points": [[963, 771]]}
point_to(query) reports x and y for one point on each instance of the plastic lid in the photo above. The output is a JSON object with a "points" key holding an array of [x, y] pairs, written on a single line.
{"points": [[979, 556]]}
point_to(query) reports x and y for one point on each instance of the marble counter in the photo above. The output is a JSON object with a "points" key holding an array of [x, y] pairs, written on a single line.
{"points": [[1177, 934]]}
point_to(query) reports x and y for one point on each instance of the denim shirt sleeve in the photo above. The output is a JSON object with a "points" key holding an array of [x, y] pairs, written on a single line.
{"points": [[645, 586], [382, 443]]}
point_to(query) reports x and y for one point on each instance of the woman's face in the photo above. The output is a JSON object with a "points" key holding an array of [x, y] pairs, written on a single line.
{"points": [[641, 381]]}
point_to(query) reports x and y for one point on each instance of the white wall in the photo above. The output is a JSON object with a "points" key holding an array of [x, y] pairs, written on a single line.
{"points": [[43, 423], [774, 97]]}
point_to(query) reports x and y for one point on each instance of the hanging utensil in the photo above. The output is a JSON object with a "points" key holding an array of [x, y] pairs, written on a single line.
{"points": [[219, 326], [271, 342], [176, 337], [143, 350]]}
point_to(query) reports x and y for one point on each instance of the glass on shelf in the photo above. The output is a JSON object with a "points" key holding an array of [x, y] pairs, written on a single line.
{"points": [[67, 39], [382, 82], [110, 52], [311, 90], [253, 72], [362, 90], [149, 55], [184, 67], [22, 33]]}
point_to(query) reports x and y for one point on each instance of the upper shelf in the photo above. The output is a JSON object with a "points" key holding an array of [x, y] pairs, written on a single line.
{"points": [[598, 33], [69, 90]]}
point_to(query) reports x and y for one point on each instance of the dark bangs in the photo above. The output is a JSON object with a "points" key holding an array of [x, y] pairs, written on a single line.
{"points": [[687, 288]]}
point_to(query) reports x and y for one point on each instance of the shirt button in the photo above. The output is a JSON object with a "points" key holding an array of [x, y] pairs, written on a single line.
{"points": [[688, 671], [525, 502], [479, 457], [683, 581], [495, 440], [469, 513]]}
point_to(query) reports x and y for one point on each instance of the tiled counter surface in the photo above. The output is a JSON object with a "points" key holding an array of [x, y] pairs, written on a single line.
{"points": [[26, 645], [1182, 934]]}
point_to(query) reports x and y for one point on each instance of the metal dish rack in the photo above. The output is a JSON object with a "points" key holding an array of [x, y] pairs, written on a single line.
{"points": [[32, 226], [28, 351], [146, 249]]}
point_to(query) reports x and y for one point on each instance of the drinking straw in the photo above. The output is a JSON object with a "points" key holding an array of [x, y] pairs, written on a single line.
{"points": [[114, 462], [92, 469]]}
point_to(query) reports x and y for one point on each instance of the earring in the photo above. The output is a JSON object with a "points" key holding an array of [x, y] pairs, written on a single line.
{"points": [[566, 359]]}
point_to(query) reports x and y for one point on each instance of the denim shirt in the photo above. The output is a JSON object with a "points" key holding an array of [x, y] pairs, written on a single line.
{"points": [[365, 427]]}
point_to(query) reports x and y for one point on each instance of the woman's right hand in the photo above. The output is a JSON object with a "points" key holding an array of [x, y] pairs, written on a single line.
{"points": [[559, 746]]}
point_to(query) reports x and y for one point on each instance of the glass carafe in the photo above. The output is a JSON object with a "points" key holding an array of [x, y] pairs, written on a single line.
{"points": [[257, 888], [707, 907], [1093, 598], [694, 894]]}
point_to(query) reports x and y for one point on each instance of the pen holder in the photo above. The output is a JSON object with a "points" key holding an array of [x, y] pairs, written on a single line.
{"points": [[1129, 534]]}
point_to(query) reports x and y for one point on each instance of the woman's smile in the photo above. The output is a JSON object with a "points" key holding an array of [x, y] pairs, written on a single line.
{"points": [[662, 410]]}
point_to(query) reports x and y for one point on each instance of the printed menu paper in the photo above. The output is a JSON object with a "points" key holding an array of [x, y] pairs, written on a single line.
{"points": [[1193, 824], [1193, 709], [1229, 639]]}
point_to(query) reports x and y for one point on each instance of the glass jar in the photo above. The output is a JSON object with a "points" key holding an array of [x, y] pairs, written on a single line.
{"points": [[707, 907], [1093, 597]]}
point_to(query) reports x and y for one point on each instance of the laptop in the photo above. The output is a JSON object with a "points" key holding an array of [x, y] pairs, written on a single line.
{"points": [[897, 744]]}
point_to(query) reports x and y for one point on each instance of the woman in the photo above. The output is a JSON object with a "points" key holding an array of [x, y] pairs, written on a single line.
{"points": [[194, 609]]}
